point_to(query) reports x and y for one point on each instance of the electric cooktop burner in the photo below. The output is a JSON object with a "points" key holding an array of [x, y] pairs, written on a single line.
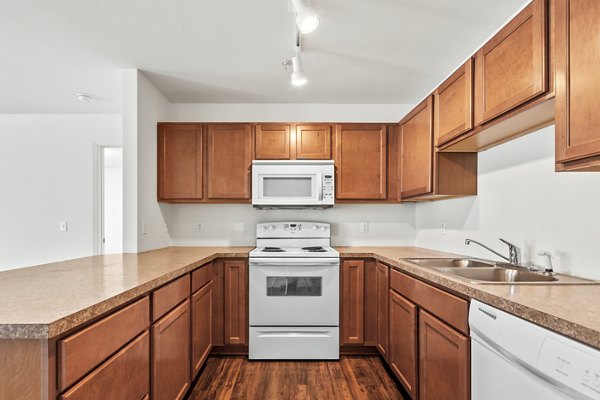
{"points": [[314, 249], [273, 249]]}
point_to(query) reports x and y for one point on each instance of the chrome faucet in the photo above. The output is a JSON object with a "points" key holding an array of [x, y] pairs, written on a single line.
{"points": [[513, 251]]}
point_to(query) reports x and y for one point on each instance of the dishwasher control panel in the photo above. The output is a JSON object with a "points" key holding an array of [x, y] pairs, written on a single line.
{"points": [[571, 366]]}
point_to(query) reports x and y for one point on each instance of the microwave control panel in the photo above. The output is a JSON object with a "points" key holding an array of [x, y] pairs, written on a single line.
{"points": [[328, 187]]}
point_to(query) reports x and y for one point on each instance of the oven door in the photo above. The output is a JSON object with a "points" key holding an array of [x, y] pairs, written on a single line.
{"points": [[294, 292], [277, 185]]}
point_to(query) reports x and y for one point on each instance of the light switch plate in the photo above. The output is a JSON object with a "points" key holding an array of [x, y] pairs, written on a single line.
{"points": [[63, 226]]}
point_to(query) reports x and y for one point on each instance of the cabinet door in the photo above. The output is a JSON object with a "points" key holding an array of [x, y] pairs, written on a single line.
{"points": [[171, 354], [124, 376], [444, 365], [236, 301], [578, 80], [416, 136], [383, 287], [511, 67], [453, 105], [273, 142], [313, 142], [361, 161], [229, 161], [180, 162], [201, 327], [352, 302], [402, 356]]}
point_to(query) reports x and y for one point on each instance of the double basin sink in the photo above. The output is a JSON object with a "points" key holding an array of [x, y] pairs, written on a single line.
{"points": [[483, 271]]}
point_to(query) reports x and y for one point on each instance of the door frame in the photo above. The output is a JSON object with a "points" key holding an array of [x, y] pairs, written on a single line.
{"points": [[98, 195]]}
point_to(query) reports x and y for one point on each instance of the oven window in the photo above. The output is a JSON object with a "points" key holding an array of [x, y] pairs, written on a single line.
{"points": [[294, 285], [300, 186]]}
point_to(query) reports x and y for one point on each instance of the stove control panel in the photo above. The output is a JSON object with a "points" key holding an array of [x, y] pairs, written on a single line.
{"points": [[293, 229]]}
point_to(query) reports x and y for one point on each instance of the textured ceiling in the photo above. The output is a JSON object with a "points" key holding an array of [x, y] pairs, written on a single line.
{"points": [[230, 51]]}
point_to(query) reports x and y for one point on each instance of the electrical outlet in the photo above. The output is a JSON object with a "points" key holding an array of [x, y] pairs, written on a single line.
{"points": [[444, 228], [364, 227], [199, 226], [144, 230], [239, 227], [62, 226]]}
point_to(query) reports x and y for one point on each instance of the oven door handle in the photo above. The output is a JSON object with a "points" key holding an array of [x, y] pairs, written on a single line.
{"points": [[290, 262]]}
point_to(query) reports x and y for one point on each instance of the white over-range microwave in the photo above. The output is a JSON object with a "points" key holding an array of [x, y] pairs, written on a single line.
{"points": [[293, 184]]}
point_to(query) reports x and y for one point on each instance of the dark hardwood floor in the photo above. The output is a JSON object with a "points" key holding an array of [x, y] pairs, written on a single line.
{"points": [[353, 377]]}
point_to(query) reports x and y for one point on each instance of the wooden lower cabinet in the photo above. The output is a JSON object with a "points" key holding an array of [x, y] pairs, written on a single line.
{"points": [[444, 354], [201, 326], [402, 356], [123, 376], [383, 286], [171, 354], [352, 302], [236, 302]]}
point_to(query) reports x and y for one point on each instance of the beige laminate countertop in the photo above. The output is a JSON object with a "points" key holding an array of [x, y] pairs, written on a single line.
{"points": [[573, 310], [47, 300]]}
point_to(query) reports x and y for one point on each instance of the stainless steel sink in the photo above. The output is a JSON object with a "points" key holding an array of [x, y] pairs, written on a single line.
{"points": [[452, 263], [484, 271], [499, 274]]}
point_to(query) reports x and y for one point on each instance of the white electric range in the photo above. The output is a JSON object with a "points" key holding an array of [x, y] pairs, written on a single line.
{"points": [[294, 292]]}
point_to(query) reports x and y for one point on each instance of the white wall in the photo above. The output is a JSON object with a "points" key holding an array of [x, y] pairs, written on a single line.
{"points": [[389, 224], [152, 108], [144, 226], [391, 113], [522, 199], [46, 176]]}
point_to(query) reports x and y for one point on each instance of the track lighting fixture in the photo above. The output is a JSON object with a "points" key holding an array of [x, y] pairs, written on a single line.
{"points": [[298, 75], [306, 18]]}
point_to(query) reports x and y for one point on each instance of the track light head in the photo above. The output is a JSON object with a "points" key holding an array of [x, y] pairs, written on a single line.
{"points": [[298, 76], [306, 17]]}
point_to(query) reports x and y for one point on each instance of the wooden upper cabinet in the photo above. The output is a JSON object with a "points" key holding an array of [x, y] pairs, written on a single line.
{"points": [[361, 161], [229, 153], [444, 356], [578, 83], [273, 142], [313, 142], [416, 143], [180, 164], [511, 68], [352, 301], [402, 357], [453, 104]]}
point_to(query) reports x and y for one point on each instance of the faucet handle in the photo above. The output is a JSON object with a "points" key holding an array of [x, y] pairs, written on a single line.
{"points": [[508, 243], [546, 253]]}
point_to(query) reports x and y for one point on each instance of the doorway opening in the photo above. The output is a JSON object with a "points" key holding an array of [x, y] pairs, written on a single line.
{"points": [[111, 200]]}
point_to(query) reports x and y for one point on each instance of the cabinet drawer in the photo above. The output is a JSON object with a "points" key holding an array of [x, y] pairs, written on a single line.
{"points": [[81, 352], [168, 296], [124, 376], [453, 310], [201, 276]]}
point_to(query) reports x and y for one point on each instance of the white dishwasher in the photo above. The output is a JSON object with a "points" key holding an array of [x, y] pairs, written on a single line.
{"points": [[515, 359]]}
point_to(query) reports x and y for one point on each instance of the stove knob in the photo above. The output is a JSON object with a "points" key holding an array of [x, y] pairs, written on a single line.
{"points": [[272, 227], [314, 228], [323, 228], [264, 228]]}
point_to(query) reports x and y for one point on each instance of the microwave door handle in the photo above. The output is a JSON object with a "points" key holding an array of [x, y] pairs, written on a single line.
{"points": [[320, 185]]}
